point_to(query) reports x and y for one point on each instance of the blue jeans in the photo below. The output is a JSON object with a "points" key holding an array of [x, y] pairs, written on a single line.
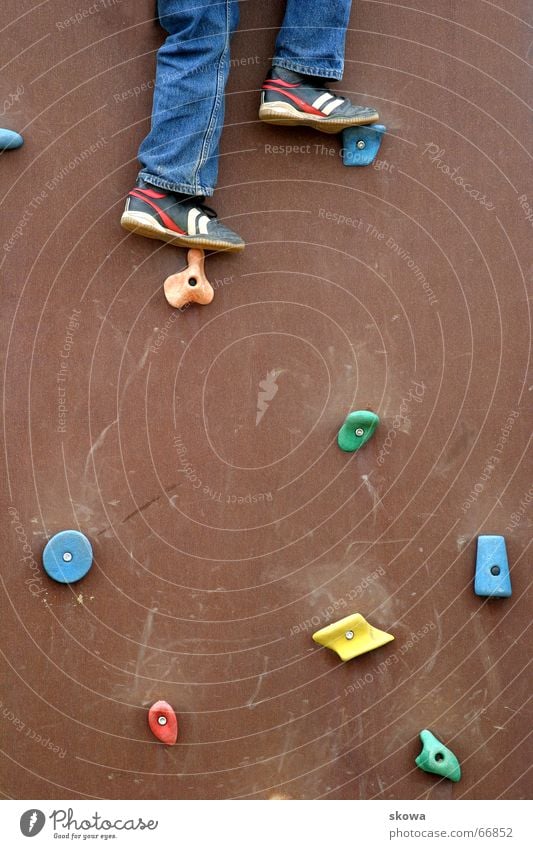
{"points": [[180, 153]]}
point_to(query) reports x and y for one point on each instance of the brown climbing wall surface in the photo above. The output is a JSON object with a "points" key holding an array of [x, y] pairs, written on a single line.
{"points": [[197, 449]]}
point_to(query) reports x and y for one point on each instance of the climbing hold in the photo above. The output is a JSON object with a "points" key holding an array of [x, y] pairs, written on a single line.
{"points": [[357, 429], [351, 636], [67, 557], [9, 140], [163, 723], [492, 568], [437, 758], [191, 284], [360, 145]]}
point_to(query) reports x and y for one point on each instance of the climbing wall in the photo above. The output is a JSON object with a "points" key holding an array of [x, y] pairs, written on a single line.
{"points": [[197, 448]]}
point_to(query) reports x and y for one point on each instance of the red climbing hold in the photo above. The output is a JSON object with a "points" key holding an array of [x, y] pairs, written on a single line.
{"points": [[163, 723]]}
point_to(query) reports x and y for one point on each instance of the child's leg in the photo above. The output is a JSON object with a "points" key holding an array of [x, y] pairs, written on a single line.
{"points": [[179, 157], [180, 153], [310, 49], [312, 37]]}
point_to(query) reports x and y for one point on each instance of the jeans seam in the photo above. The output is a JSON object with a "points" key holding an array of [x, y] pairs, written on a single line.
{"points": [[183, 188], [216, 105], [312, 71]]}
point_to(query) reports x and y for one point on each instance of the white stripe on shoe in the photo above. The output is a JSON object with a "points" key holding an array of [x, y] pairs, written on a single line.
{"points": [[328, 109], [202, 223], [321, 100], [197, 222], [192, 218]]}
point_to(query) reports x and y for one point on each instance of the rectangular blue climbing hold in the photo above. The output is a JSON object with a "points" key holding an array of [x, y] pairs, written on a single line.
{"points": [[492, 577]]}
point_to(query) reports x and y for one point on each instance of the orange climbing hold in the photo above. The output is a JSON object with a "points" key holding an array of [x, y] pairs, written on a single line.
{"points": [[190, 285]]}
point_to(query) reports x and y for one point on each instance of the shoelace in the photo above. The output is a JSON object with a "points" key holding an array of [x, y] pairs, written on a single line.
{"points": [[198, 201], [207, 209]]}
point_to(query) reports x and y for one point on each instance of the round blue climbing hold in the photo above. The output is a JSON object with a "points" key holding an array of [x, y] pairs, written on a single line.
{"points": [[9, 140], [67, 557], [360, 145]]}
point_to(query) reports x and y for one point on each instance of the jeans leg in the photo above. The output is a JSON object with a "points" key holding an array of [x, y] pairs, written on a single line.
{"points": [[180, 153], [312, 37]]}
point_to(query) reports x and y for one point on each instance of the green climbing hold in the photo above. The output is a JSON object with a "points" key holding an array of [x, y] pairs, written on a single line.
{"points": [[357, 429], [437, 758]]}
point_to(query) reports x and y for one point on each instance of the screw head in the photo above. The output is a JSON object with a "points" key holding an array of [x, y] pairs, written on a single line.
{"points": [[192, 281], [361, 145], [67, 556], [349, 635], [495, 570], [359, 431], [161, 720]]}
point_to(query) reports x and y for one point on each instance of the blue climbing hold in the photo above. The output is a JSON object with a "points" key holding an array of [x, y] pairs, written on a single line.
{"points": [[492, 568], [67, 557], [9, 140], [360, 145]]}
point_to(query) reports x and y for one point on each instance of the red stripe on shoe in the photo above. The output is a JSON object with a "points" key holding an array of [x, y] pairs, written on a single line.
{"points": [[166, 219], [305, 107], [283, 83], [151, 193]]}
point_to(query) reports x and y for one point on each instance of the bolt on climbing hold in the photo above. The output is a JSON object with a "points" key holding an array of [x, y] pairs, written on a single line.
{"points": [[163, 722], [351, 636], [189, 285], [437, 758], [9, 140], [492, 576], [360, 145], [357, 429], [67, 557]]}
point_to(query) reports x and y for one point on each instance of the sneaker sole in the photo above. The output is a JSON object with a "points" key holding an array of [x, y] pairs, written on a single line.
{"points": [[284, 114], [144, 225]]}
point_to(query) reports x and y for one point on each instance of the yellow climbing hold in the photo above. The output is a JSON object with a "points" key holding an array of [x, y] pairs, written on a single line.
{"points": [[351, 636]]}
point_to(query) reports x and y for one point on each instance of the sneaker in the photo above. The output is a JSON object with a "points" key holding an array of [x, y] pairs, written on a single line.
{"points": [[294, 100], [179, 219]]}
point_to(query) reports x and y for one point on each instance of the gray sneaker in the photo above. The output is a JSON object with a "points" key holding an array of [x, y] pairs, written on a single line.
{"points": [[293, 100], [180, 220]]}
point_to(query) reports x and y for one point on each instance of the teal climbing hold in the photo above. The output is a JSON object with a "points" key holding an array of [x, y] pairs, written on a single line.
{"points": [[360, 144], [9, 140], [492, 568], [437, 758], [357, 429]]}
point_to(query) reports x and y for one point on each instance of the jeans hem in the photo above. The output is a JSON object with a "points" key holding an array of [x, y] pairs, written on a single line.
{"points": [[309, 70], [182, 188]]}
